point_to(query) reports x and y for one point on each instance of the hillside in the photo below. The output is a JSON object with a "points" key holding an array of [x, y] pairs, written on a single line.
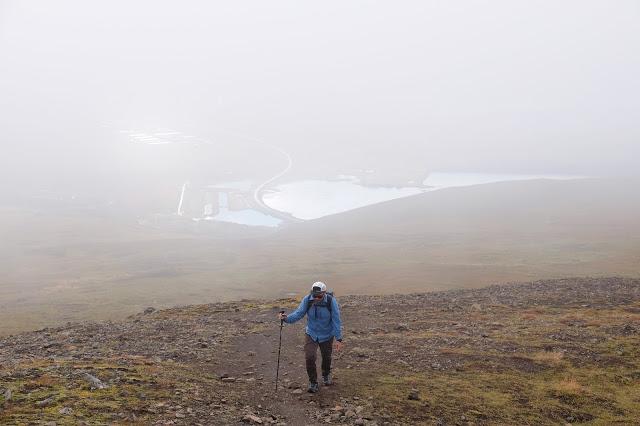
{"points": [[530, 206], [74, 266], [544, 352]]}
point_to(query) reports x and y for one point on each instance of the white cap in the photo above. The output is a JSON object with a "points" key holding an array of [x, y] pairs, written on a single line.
{"points": [[320, 284]]}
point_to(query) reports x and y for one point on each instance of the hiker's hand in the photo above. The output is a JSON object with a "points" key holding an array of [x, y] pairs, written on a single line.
{"points": [[282, 316], [338, 346]]}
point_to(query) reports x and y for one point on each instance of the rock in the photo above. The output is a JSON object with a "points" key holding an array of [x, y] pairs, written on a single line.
{"points": [[414, 395], [401, 327], [66, 411], [149, 310], [250, 418], [297, 391], [228, 379], [45, 402], [7, 395], [350, 413], [359, 421], [94, 381], [360, 352]]}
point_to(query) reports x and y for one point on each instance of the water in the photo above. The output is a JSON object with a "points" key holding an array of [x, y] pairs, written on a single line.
{"points": [[312, 199], [250, 217]]}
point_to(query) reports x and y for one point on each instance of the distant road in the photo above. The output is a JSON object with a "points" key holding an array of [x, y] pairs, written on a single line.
{"points": [[256, 194]]}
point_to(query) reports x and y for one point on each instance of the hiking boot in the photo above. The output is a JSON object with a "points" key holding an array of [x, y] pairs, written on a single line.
{"points": [[326, 380], [313, 388]]}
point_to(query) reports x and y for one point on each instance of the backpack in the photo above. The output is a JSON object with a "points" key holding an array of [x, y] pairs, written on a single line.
{"points": [[329, 302]]}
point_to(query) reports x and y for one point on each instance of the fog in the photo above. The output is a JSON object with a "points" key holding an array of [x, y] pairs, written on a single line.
{"points": [[489, 86], [378, 146]]}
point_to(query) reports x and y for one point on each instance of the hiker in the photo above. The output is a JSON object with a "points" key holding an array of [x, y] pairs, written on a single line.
{"points": [[323, 326]]}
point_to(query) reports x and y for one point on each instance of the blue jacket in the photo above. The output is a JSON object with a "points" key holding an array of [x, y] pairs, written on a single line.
{"points": [[322, 324]]}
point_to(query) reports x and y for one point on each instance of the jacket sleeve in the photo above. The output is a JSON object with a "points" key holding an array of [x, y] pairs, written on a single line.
{"points": [[298, 313], [335, 319]]}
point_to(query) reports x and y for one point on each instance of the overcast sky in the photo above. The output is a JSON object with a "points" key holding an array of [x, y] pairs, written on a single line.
{"points": [[531, 86]]}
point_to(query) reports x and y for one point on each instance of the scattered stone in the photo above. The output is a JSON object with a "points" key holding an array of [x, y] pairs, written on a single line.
{"points": [[250, 418], [45, 402], [402, 327], [94, 381], [66, 411], [149, 310], [414, 395], [360, 352]]}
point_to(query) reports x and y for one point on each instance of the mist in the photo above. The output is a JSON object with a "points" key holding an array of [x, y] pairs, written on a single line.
{"points": [[476, 86], [163, 153]]}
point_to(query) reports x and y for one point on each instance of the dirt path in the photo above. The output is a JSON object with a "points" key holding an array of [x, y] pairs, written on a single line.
{"points": [[255, 355]]}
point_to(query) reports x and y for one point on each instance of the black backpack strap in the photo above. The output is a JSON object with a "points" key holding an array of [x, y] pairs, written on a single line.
{"points": [[329, 303]]}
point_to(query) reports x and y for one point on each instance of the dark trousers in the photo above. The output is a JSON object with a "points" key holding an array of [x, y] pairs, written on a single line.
{"points": [[310, 351]]}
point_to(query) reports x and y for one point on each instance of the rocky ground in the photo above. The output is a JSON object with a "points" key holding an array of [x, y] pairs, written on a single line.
{"points": [[546, 352]]}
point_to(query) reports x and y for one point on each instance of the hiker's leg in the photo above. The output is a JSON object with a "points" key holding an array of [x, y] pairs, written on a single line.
{"points": [[325, 349], [310, 349]]}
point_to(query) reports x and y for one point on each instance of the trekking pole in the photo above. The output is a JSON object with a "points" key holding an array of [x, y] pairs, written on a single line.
{"points": [[279, 346]]}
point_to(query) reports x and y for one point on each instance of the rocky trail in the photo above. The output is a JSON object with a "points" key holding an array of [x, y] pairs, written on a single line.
{"points": [[545, 352]]}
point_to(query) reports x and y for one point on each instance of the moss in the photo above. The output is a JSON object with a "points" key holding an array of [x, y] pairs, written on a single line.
{"points": [[69, 390], [564, 393]]}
